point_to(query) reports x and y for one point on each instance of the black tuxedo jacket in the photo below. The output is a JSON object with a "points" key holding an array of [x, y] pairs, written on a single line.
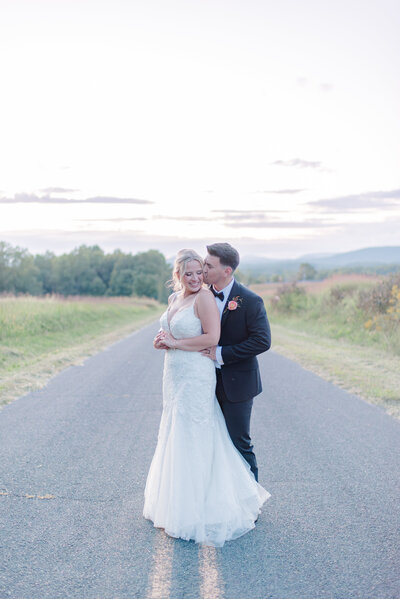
{"points": [[245, 332]]}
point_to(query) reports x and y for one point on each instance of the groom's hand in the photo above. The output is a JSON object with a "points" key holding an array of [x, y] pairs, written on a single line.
{"points": [[209, 352]]}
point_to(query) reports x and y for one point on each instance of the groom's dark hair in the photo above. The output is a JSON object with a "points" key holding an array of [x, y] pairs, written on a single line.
{"points": [[227, 255]]}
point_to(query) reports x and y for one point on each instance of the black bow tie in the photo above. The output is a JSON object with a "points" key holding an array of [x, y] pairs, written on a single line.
{"points": [[217, 294]]}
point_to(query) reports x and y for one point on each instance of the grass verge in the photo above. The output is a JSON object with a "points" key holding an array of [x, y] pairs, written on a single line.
{"points": [[345, 329], [39, 337], [369, 372]]}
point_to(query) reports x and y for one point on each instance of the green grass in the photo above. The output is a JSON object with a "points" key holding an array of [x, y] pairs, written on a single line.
{"points": [[339, 320], [41, 336], [368, 371]]}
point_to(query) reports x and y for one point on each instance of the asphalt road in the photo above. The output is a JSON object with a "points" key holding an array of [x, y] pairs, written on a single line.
{"points": [[73, 463]]}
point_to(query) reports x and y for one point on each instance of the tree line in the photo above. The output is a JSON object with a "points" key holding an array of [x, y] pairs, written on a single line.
{"points": [[86, 270]]}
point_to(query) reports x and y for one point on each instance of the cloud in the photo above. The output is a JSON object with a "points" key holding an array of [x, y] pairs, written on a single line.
{"points": [[279, 191], [26, 198], [49, 190], [246, 213], [304, 82], [259, 219], [301, 81], [299, 162], [384, 200], [112, 200], [108, 220], [326, 87], [251, 219], [182, 218], [265, 224]]}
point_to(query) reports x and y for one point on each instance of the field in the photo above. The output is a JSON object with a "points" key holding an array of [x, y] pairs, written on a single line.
{"points": [[39, 336], [346, 329], [317, 287]]}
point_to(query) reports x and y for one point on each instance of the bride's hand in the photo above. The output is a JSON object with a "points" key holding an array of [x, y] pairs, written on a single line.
{"points": [[169, 340], [158, 341]]}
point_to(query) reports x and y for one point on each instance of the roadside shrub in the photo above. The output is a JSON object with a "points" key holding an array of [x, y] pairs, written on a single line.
{"points": [[289, 298], [378, 299], [386, 319], [359, 312], [339, 292]]}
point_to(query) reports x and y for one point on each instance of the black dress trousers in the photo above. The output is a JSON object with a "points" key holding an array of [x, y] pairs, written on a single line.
{"points": [[237, 417]]}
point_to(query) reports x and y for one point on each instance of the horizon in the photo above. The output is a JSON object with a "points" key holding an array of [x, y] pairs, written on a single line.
{"points": [[137, 125], [243, 257]]}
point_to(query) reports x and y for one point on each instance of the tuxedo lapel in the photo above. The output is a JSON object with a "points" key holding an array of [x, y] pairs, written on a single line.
{"points": [[234, 291]]}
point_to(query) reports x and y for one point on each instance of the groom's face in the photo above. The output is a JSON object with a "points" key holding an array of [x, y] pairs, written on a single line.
{"points": [[213, 270]]}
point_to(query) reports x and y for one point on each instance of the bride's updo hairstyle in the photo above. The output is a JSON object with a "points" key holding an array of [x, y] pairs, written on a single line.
{"points": [[182, 258]]}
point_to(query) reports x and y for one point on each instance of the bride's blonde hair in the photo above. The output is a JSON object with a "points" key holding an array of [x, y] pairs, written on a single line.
{"points": [[182, 258]]}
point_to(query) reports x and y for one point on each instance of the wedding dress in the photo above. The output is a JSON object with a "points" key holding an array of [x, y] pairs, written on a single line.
{"points": [[199, 486]]}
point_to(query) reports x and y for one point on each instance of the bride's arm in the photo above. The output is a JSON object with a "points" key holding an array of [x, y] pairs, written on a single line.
{"points": [[157, 341], [210, 323]]}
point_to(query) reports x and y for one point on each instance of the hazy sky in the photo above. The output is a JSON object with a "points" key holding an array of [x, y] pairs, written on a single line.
{"points": [[167, 124]]}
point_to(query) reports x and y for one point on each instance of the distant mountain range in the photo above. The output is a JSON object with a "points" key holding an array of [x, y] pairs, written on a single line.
{"points": [[366, 257]]}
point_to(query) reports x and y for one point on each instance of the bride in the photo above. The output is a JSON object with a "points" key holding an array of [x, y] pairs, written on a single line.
{"points": [[199, 486]]}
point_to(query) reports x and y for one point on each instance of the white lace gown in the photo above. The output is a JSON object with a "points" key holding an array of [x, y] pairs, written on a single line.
{"points": [[199, 486]]}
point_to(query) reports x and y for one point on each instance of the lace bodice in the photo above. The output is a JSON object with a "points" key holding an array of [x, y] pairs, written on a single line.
{"points": [[183, 324], [189, 378]]}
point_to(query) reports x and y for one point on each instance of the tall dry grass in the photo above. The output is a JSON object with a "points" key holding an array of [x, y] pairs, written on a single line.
{"points": [[347, 332], [364, 312]]}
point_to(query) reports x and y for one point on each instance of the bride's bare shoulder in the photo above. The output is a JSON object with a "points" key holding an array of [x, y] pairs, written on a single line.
{"points": [[205, 292], [172, 297], [205, 298]]}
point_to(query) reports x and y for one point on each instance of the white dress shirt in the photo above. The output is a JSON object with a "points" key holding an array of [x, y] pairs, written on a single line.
{"points": [[220, 305]]}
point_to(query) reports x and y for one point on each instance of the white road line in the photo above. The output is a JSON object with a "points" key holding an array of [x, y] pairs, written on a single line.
{"points": [[160, 576], [212, 584]]}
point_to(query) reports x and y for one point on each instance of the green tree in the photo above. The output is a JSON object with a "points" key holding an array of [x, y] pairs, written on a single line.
{"points": [[78, 273], [121, 282], [45, 264], [18, 272], [5, 266], [122, 275], [86, 270], [27, 276], [147, 285], [306, 272], [151, 273]]}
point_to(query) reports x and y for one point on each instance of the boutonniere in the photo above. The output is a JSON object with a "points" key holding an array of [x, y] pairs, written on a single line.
{"points": [[233, 304]]}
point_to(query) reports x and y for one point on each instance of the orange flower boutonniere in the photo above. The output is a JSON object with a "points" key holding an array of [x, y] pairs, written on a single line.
{"points": [[233, 304]]}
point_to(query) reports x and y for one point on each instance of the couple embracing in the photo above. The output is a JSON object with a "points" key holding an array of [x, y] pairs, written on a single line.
{"points": [[203, 480]]}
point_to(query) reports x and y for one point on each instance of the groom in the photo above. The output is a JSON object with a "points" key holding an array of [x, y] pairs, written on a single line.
{"points": [[245, 332]]}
